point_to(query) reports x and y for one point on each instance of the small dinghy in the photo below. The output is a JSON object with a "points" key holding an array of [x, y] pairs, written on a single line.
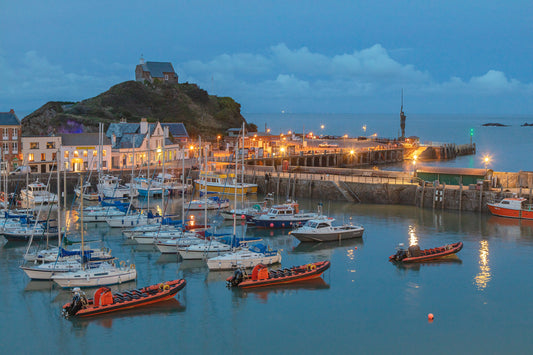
{"points": [[414, 254], [104, 301], [261, 276]]}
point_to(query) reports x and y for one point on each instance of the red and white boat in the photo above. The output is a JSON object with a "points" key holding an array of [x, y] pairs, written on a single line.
{"points": [[513, 207]]}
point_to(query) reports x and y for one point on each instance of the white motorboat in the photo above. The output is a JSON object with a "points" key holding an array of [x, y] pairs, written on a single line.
{"points": [[287, 215], [151, 237], [244, 258], [109, 187], [321, 229], [101, 214], [36, 194]]}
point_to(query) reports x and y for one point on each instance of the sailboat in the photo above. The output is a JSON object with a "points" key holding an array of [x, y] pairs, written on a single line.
{"points": [[101, 275], [49, 262], [242, 256]]}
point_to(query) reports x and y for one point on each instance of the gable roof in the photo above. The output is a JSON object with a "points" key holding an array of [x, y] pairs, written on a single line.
{"points": [[156, 69], [9, 119], [79, 139], [177, 130], [126, 133]]}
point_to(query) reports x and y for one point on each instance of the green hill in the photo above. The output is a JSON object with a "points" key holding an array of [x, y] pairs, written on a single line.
{"points": [[202, 114]]}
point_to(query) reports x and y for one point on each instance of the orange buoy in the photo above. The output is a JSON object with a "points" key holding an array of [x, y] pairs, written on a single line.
{"points": [[430, 317], [271, 225], [355, 248]]}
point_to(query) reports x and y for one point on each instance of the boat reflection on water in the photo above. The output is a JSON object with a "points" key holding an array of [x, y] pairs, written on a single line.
{"points": [[451, 259], [511, 228], [39, 285], [261, 293], [168, 259], [317, 247], [167, 307]]}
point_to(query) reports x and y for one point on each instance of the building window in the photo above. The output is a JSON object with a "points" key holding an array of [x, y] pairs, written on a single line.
{"points": [[104, 164], [95, 153], [85, 165], [5, 148], [85, 154], [43, 156], [76, 154], [14, 147], [34, 145], [66, 154], [15, 133], [50, 145], [54, 156], [5, 134], [30, 157], [166, 77], [104, 153]]}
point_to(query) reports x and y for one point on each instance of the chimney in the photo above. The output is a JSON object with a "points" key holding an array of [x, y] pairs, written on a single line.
{"points": [[165, 129], [143, 126]]}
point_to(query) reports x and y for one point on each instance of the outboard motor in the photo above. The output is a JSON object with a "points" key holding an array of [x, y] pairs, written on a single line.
{"points": [[236, 279], [79, 300]]}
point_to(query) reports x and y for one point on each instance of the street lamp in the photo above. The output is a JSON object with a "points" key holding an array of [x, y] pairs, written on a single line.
{"points": [[486, 160]]}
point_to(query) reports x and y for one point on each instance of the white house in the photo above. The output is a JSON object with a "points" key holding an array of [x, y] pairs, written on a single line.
{"points": [[82, 152], [40, 153]]}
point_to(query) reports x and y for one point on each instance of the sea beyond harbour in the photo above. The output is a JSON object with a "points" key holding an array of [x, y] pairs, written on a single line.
{"points": [[362, 304], [507, 146]]}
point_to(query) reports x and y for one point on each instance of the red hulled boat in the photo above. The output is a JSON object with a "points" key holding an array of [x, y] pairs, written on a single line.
{"points": [[104, 301], [414, 254], [516, 207], [262, 276]]}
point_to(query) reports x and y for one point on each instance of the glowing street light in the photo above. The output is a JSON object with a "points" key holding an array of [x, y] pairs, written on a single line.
{"points": [[486, 160]]}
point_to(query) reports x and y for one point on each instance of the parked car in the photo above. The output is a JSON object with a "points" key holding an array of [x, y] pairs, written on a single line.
{"points": [[20, 170]]}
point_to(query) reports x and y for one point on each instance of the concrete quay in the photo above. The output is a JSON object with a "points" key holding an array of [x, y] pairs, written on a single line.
{"points": [[380, 187]]}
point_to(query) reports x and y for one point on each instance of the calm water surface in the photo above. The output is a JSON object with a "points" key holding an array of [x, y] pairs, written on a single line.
{"points": [[363, 304]]}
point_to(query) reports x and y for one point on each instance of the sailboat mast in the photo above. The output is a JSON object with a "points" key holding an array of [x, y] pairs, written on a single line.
{"points": [[58, 202], [81, 224]]}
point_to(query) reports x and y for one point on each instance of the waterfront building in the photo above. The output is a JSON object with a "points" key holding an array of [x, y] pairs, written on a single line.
{"points": [[151, 71], [83, 152], [10, 139], [150, 142], [40, 152]]}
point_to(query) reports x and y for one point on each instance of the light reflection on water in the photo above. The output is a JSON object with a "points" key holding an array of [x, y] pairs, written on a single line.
{"points": [[483, 277]]}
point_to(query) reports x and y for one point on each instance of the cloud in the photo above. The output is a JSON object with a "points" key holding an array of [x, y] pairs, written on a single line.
{"points": [[34, 80]]}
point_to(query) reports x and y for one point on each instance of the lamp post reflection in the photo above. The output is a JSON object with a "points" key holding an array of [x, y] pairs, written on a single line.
{"points": [[483, 277], [413, 239]]}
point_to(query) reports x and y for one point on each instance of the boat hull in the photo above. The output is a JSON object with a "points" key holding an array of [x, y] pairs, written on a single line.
{"points": [[65, 280], [509, 213], [328, 237], [242, 262], [446, 251], [133, 299], [287, 276]]}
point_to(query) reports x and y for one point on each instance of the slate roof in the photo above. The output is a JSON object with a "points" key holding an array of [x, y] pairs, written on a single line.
{"points": [[9, 119], [177, 130], [81, 139], [125, 131], [156, 69]]}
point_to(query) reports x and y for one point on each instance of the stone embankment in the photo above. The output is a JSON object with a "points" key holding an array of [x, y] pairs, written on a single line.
{"points": [[381, 187]]}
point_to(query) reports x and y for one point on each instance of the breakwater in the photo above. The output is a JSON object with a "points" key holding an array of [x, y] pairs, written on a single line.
{"points": [[379, 187]]}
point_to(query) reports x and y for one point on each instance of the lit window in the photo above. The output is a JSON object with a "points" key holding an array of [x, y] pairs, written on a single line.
{"points": [[95, 153], [66, 153], [104, 153], [50, 145], [85, 154], [76, 154], [34, 145], [30, 157], [43, 156]]}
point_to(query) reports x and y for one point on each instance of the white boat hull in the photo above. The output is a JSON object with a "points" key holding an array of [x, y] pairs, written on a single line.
{"points": [[243, 259]]}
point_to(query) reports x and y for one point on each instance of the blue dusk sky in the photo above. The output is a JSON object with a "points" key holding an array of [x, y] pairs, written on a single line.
{"points": [[271, 56]]}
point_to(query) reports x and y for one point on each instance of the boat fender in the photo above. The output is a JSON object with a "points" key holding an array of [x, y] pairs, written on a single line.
{"points": [[122, 263], [132, 266], [311, 267], [163, 286]]}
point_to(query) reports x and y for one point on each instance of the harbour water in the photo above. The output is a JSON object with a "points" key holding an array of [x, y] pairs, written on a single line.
{"points": [[362, 304]]}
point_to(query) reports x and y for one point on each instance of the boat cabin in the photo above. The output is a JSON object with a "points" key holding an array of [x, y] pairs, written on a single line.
{"points": [[282, 210]]}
